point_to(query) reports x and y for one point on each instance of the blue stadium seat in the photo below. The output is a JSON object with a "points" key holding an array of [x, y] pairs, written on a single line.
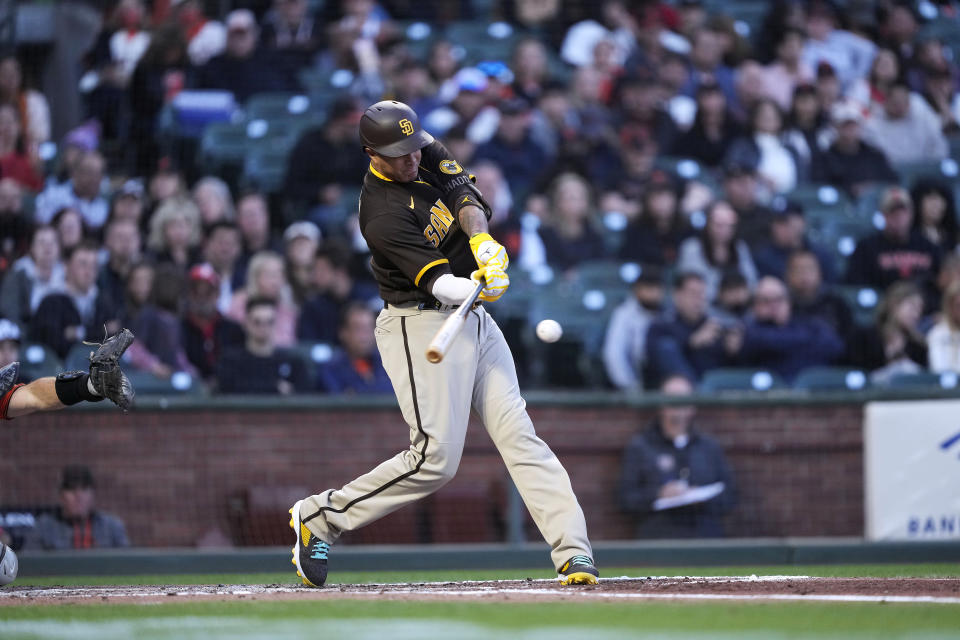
{"points": [[927, 379], [78, 358], [180, 383], [840, 238], [600, 274], [279, 105], [265, 169], [37, 360], [222, 145], [862, 301], [831, 379], [323, 87], [483, 41], [821, 197], [583, 313], [683, 168], [946, 170], [192, 111], [740, 379]]}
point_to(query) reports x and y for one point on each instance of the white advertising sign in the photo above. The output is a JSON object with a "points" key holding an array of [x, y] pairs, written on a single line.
{"points": [[912, 470]]}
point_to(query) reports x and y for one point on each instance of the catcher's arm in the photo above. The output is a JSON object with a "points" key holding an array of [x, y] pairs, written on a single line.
{"points": [[24, 399], [105, 380]]}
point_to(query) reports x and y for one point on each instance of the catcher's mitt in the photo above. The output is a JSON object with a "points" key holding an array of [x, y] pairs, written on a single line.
{"points": [[106, 376]]}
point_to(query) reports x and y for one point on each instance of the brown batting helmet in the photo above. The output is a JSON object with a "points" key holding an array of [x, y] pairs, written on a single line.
{"points": [[392, 129]]}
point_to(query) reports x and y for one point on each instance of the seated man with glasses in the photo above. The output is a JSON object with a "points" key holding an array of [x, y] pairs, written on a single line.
{"points": [[259, 366], [776, 340]]}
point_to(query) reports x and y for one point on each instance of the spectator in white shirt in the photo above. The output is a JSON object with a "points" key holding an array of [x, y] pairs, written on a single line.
{"points": [[205, 38], [82, 193], [848, 54], [943, 340], [624, 346], [906, 129]]}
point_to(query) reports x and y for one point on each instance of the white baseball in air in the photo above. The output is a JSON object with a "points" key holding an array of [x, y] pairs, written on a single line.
{"points": [[549, 330]]}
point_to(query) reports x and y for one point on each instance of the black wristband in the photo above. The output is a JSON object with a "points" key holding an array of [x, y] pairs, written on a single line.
{"points": [[71, 387]]}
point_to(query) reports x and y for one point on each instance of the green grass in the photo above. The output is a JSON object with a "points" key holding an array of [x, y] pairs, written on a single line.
{"points": [[394, 620], [378, 619], [360, 577]]}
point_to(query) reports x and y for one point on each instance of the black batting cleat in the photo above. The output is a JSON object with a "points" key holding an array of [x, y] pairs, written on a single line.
{"points": [[578, 570], [309, 553]]}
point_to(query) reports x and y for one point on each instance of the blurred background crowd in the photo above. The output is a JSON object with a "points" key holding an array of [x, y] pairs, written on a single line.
{"points": [[745, 193]]}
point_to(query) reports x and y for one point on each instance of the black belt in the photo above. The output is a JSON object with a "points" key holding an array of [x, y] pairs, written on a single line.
{"points": [[436, 305], [430, 305]]}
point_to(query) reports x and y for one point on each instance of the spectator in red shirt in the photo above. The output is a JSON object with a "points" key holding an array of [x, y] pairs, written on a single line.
{"points": [[14, 163]]}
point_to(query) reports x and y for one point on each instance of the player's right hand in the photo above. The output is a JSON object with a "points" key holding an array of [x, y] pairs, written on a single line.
{"points": [[488, 252], [496, 282]]}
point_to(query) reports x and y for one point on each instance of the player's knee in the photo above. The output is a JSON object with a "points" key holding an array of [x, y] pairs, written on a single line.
{"points": [[441, 464]]}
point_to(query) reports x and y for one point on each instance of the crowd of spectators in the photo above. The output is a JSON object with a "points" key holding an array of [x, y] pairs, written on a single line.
{"points": [[576, 136]]}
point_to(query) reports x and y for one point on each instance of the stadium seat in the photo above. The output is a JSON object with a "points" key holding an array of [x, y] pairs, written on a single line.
{"points": [[862, 301], [601, 274], [180, 383], [867, 204], [683, 168], [831, 379], [840, 238], [946, 169], [820, 197], [38, 360], [740, 379], [750, 13], [279, 105], [418, 37], [222, 146], [323, 87], [78, 358], [583, 313], [313, 354], [819, 217], [926, 379], [516, 304], [483, 41], [265, 169], [192, 111], [277, 134]]}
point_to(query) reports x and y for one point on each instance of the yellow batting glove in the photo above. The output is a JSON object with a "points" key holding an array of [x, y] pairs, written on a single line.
{"points": [[495, 285], [488, 252]]}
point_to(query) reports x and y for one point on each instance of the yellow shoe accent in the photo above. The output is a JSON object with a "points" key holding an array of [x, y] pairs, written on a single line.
{"points": [[580, 578], [305, 535]]}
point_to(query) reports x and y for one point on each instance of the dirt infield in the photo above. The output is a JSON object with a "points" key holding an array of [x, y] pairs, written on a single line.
{"points": [[932, 590]]}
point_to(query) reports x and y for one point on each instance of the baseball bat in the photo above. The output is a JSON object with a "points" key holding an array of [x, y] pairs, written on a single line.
{"points": [[451, 326]]}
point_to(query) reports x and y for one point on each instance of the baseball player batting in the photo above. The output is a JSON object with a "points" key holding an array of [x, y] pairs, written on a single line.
{"points": [[426, 226]]}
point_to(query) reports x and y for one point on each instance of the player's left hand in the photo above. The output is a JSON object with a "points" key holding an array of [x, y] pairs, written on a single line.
{"points": [[496, 282], [106, 376], [488, 252]]}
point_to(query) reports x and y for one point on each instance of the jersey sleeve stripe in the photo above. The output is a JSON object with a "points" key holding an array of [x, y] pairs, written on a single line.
{"points": [[426, 268]]}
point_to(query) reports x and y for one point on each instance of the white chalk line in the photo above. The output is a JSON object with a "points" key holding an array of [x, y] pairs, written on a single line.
{"points": [[691, 596]]}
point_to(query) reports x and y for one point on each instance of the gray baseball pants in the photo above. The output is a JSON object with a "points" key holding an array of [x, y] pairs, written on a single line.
{"points": [[477, 372]]}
